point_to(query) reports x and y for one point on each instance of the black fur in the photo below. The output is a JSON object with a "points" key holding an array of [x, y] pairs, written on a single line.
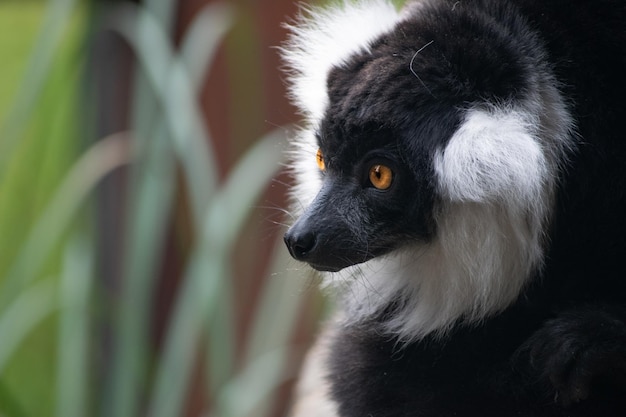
{"points": [[560, 349]]}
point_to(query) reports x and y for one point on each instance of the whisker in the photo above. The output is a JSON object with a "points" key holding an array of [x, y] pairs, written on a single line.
{"points": [[280, 182], [413, 71]]}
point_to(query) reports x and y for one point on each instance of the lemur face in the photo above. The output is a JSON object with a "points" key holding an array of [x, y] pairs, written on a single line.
{"points": [[376, 142], [370, 201]]}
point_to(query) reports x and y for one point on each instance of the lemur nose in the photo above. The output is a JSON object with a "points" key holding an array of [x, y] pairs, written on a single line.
{"points": [[300, 243]]}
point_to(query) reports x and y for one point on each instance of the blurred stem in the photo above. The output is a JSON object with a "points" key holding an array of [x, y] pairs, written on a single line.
{"points": [[224, 222], [102, 158], [258, 380], [221, 338], [150, 197], [272, 329], [175, 85], [164, 11], [56, 17], [26, 311], [72, 353], [207, 280], [9, 405], [151, 203], [162, 82]]}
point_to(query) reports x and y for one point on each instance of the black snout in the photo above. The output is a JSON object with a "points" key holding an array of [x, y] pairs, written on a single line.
{"points": [[309, 243], [323, 248], [300, 243], [326, 236]]}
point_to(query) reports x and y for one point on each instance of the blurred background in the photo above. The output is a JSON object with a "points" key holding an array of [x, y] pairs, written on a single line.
{"points": [[142, 190], [142, 197]]}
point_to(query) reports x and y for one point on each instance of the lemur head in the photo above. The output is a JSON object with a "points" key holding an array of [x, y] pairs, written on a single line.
{"points": [[434, 139]]}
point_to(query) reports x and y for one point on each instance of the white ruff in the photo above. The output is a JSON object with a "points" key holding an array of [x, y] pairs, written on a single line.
{"points": [[476, 266]]}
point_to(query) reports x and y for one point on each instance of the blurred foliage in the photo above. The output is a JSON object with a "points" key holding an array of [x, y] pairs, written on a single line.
{"points": [[19, 22], [50, 298], [38, 141], [70, 345]]}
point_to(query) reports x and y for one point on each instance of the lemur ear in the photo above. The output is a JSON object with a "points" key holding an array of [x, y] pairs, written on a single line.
{"points": [[493, 157], [323, 38]]}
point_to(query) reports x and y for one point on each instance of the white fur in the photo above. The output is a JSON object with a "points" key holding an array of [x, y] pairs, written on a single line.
{"points": [[324, 38], [303, 167], [313, 392], [492, 158]]}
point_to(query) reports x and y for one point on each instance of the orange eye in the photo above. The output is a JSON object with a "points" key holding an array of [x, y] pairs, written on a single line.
{"points": [[381, 176], [319, 158]]}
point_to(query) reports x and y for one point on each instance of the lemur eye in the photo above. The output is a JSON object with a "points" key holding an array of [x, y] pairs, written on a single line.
{"points": [[319, 158], [381, 176]]}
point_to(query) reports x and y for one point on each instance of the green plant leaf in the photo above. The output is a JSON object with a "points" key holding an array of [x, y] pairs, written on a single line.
{"points": [[26, 311], [206, 277], [103, 157], [74, 335], [57, 15]]}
